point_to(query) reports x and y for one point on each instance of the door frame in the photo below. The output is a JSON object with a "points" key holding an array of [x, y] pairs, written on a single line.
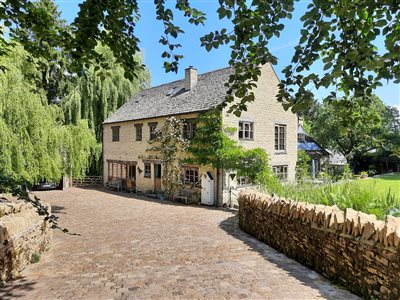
{"points": [[157, 177]]}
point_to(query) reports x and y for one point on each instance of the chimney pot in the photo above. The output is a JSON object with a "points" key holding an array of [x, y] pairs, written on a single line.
{"points": [[190, 78]]}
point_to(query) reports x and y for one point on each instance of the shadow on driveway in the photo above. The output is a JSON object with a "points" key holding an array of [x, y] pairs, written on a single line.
{"points": [[16, 290], [302, 273]]}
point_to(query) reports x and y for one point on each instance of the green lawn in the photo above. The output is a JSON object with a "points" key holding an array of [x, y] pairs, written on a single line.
{"points": [[383, 184], [369, 195]]}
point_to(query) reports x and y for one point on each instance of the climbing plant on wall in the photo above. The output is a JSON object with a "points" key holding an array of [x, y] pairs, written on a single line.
{"points": [[213, 145], [171, 148]]}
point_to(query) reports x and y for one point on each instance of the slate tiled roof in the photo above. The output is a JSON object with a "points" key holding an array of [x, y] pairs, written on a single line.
{"points": [[336, 158], [172, 99]]}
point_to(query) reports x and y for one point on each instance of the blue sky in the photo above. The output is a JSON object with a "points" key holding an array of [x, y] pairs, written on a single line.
{"points": [[149, 31]]}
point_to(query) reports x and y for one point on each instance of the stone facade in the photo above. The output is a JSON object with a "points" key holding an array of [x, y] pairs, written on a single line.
{"points": [[23, 232], [350, 247], [264, 113], [128, 149]]}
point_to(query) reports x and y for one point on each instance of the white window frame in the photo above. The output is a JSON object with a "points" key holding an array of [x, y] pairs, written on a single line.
{"points": [[280, 137], [243, 181], [281, 171], [246, 129]]}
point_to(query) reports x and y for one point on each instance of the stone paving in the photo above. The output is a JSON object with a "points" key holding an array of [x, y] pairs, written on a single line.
{"points": [[130, 247]]}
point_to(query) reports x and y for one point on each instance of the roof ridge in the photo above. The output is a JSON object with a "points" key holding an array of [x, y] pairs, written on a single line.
{"points": [[175, 81]]}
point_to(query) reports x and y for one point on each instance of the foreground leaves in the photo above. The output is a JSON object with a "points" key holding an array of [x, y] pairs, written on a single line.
{"points": [[342, 35]]}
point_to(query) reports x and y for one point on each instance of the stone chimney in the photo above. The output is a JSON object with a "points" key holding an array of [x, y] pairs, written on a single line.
{"points": [[190, 78]]}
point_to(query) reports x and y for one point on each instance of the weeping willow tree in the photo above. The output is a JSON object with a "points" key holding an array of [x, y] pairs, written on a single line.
{"points": [[99, 92], [34, 142]]}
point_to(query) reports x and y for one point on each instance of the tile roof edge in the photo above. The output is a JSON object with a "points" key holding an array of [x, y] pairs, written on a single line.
{"points": [[160, 116]]}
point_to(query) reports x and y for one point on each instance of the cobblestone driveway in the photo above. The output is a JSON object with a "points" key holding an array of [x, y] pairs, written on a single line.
{"points": [[137, 248]]}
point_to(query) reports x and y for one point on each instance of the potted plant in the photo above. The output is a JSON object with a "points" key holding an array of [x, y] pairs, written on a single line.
{"points": [[363, 174]]}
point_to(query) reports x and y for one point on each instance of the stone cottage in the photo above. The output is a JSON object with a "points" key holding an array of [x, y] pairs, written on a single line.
{"points": [[265, 124]]}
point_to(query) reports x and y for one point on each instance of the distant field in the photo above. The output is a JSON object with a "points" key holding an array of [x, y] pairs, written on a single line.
{"points": [[383, 184]]}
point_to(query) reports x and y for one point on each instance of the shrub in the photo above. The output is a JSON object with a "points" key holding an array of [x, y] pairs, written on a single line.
{"points": [[35, 257], [302, 165]]}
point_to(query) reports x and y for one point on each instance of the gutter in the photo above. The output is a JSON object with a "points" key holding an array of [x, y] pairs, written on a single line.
{"points": [[160, 116]]}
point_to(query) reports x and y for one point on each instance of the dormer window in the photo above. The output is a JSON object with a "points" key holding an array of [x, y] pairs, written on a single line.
{"points": [[171, 91]]}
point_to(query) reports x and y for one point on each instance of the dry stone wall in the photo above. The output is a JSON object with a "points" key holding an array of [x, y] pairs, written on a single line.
{"points": [[23, 232], [350, 247]]}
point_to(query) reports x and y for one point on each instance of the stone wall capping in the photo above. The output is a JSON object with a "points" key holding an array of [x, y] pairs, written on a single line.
{"points": [[349, 222], [349, 246]]}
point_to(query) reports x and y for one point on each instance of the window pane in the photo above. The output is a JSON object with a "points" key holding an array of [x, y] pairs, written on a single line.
{"points": [[245, 130], [138, 133], [190, 175], [115, 134], [147, 170]]}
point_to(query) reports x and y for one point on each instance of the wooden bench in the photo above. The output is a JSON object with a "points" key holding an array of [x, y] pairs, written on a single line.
{"points": [[115, 184], [186, 195]]}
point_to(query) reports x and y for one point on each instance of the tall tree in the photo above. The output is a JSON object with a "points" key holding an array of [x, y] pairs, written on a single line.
{"points": [[391, 130], [349, 126], [95, 97], [53, 63], [34, 143], [342, 34]]}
